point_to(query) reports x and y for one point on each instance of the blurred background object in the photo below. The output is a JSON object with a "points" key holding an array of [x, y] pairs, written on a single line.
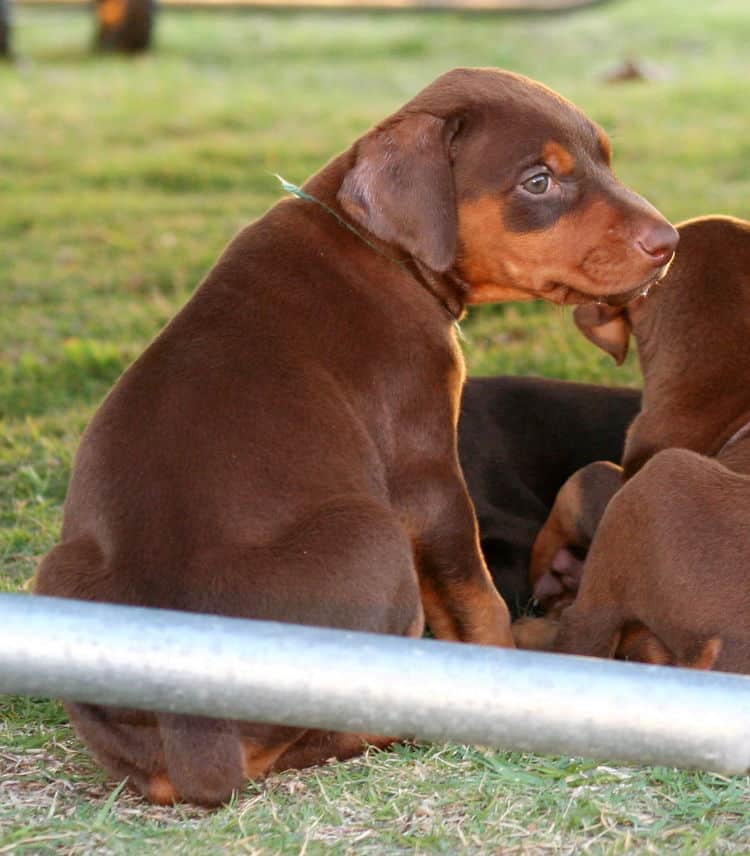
{"points": [[630, 70], [124, 25], [4, 28]]}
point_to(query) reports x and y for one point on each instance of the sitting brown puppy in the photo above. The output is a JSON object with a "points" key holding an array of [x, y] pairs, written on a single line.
{"points": [[665, 578], [286, 448]]}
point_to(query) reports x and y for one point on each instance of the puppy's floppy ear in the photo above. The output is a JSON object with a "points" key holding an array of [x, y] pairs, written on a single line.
{"points": [[608, 327], [401, 187]]}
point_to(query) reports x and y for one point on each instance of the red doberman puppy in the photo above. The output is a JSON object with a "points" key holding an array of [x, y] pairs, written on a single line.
{"points": [[560, 547], [665, 580], [562, 543], [286, 448], [519, 439]]}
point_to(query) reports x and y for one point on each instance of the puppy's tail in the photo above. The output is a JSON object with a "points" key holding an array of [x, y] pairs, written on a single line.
{"points": [[203, 758]]}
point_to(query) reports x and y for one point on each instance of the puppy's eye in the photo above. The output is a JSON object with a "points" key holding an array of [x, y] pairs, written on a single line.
{"points": [[537, 184]]}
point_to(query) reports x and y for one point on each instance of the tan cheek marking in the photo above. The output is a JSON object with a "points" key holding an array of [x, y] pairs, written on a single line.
{"points": [[579, 249], [498, 265], [482, 239], [597, 215], [480, 226], [606, 239], [558, 158], [567, 243]]}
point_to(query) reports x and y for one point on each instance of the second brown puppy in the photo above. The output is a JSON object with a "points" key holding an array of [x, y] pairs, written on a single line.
{"points": [[665, 580]]}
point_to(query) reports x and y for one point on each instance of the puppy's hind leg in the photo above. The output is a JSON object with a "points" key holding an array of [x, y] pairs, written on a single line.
{"points": [[166, 758], [316, 747], [127, 744], [77, 569], [208, 760], [171, 758], [589, 633]]}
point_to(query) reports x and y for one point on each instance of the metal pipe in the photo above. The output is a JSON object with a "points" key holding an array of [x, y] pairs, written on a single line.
{"points": [[270, 672]]}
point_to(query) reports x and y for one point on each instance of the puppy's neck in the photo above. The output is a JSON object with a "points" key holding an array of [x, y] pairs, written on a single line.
{"points": [[447, 288], [686, 421], [450, 291]]}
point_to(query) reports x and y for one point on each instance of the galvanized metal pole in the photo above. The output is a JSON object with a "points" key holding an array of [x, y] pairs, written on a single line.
{"points": [[283, 673]]}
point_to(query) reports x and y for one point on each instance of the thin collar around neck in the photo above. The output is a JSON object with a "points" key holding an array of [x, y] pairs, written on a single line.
{"points": [[448, 290], [738, 435]]}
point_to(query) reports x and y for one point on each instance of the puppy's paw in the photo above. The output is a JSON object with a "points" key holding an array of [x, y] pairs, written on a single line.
{"points": [[535, 634]]}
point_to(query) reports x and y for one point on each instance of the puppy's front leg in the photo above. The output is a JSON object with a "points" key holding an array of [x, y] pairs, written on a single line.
{"points": [[460, 600]]}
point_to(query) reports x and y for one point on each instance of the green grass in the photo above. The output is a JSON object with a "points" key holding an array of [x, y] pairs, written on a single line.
{"points": [[121, 181]]}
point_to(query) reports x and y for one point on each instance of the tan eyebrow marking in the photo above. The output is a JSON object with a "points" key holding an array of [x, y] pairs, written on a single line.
{"points": [[558, 158]]}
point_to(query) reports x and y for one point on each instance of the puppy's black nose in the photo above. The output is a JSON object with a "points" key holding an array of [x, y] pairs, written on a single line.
{"points": [[659, 241]]}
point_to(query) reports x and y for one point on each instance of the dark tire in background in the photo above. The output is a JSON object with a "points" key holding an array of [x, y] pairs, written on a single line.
{"points": [[4, 29], [124, 25]]}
